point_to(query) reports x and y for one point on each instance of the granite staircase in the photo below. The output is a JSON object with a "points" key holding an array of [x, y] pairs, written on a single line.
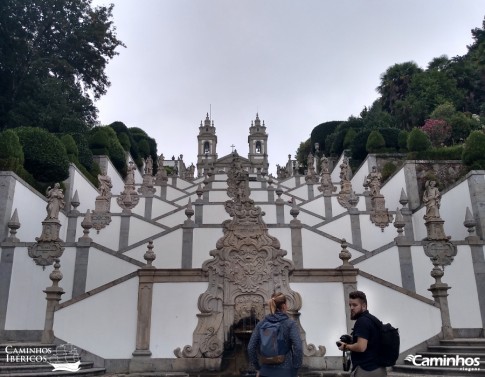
{"points": [[32, 359]]}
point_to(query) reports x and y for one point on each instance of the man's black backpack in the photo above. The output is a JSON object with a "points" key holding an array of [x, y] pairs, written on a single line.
{"points": [[389, 342]]}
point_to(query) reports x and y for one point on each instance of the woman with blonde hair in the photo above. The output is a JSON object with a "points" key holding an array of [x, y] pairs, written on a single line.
{"points": [[281, 333]]}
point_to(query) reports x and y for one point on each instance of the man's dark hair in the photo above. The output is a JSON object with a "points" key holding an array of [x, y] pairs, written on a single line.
{"points": [[358, 294]]}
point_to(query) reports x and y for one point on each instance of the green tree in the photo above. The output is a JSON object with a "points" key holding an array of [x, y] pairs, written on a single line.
{"points": [[375, 142], [395, 84], [11, 152], [474, 150], [319, 134], [303, 151], [53, 57], [45, 155], [349, 138], [418, 141]]}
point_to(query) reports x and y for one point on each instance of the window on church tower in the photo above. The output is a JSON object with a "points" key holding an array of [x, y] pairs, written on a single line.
{"points": [[258, 147], [206, 147]]}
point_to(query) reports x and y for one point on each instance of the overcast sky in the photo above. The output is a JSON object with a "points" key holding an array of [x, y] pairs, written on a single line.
{"points": [[296, 63]]}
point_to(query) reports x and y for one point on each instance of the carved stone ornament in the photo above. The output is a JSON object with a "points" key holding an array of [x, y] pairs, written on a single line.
{"points": [[100, 220], [247, 266], [147, 188], [346, 197], [326, 186], [129, 198], [379, 214], [311, 177], [441, 253], [48, 246]]}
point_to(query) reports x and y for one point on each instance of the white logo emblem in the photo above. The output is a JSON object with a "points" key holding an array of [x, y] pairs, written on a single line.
{"points": [[65, 357]]}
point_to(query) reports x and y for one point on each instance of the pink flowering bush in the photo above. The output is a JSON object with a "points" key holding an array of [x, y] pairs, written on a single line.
{"points": [[438, 131]]}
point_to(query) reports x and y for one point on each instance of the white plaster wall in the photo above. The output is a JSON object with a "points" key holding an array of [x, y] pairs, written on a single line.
{"points": [[104, 323], [418, 224], [108, 236], [304, 217], [104, 267], [416, 320], [218, 196], [359, 177], [185, 200], [140, 207], [172, 327], [384, 265], [204, 241], [337, 209], [167, 248], [173, 193], [322, 314], [173, 219], [463, 295], [316, 206], [159, 207], [453, 210], [26, 301], [392, 190], [284, 236], [86, 191], [259, 196], [140, 230], [214, 214], [290, 182], [269, 213], [192, 189], [336, 170], [219, 185], [254, 185], [31, 210], [361, 203], [300, 192], [116, 179], [319, 251], [372, 236], [183, 184], [67, 261], [422, 267], [340, 226]]}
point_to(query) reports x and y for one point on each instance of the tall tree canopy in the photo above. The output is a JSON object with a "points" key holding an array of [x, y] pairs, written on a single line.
{"points": [[53, 56]]}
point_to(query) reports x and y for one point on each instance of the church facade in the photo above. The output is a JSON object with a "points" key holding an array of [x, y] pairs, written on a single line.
{"points": [[159, 273]]}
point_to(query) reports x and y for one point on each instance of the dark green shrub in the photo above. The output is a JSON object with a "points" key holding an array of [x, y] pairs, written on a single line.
{"points": [[391, 137], [45, 156], [403, 141], [85, 156], [358, 150], [124, 141], [418, 141], [11, 152], [319, 134], [71, 147], [99, 141], [375, 142], [349, 138], [387, 170], [474, 150]]}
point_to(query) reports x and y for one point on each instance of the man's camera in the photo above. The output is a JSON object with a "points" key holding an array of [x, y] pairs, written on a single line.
{"points": [[344, 339]]}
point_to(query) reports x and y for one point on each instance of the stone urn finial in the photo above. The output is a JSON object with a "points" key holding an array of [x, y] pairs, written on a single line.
{"points": [[149, 256]]}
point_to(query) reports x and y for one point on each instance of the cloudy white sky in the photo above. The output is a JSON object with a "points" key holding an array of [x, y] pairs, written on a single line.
{"points": [[296, 63]]}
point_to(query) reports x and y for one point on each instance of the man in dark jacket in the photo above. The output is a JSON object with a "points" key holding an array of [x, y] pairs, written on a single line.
{"points": [[293, 358], [365, 340]]}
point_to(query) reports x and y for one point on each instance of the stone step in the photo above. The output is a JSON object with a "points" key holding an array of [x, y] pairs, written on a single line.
{"points": [[449, 350], [475, 342]]}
